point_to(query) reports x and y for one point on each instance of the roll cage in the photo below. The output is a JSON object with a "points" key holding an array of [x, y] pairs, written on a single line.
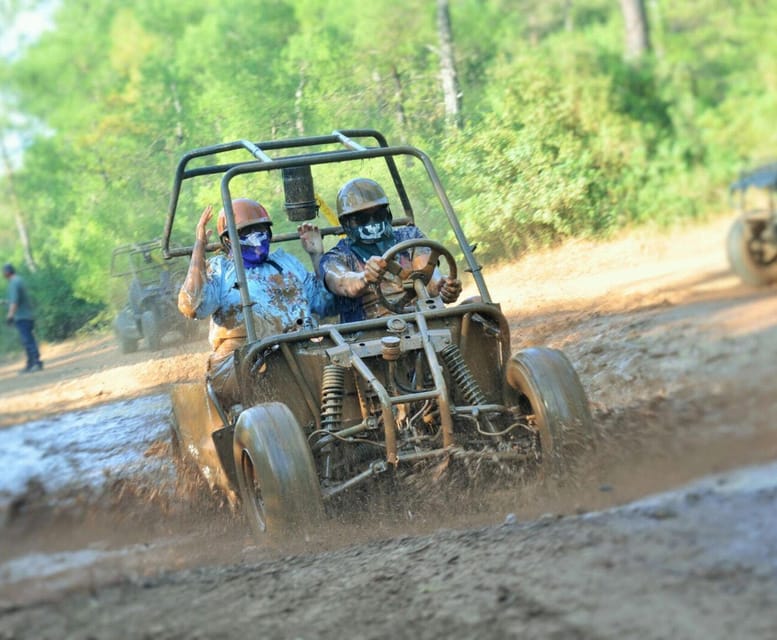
{"points": [[350, 145]]}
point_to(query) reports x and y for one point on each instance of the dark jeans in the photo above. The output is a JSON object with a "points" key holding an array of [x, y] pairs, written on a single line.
{"points": [[28, 341]]}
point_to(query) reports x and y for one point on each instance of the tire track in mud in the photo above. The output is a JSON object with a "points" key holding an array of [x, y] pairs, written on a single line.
{"points": [[698, 562], [675, 375], [678, 368]]}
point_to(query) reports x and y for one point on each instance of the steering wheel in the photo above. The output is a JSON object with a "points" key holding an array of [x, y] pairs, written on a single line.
{"points": [[414, 281]]}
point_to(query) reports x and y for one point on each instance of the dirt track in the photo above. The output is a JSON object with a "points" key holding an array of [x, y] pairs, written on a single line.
{"points": [[677, 358]]}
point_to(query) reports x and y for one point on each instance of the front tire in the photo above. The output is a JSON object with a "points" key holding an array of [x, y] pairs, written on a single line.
{"points": [[743, 262], [549, 389], [151, 330], [277, 478]]}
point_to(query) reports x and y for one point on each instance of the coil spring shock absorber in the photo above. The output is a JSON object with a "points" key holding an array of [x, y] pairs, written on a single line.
{"points": [[332, 394], [462, 375]]}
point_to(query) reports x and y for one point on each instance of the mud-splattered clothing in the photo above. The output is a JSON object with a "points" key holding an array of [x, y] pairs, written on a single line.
{"points": [[284, 293], [342, 257]]}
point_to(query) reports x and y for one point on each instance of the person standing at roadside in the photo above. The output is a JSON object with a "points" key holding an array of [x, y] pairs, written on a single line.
{"points": [[20, 315]]}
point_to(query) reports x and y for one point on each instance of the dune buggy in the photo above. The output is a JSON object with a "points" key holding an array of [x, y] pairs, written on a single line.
{"points": [[332, 407], [151, 309], [752, 239]]}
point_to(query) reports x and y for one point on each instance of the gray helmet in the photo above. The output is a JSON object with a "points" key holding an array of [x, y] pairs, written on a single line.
{"points": [[359, 194]]}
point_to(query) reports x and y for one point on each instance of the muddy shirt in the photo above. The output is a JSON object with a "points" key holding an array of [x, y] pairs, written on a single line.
{"points": [[17, 293], [342, 257], [283, 293]]}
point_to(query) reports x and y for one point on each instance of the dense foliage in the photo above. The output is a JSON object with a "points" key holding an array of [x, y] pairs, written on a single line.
{"points": [[558, 135]]}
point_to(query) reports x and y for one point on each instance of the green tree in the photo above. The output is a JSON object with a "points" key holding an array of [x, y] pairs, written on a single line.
{"points": [[559, 135]]}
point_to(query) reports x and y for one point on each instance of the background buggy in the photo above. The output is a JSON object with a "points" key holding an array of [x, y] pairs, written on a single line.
{"points": [[152, 284], [752, 239]]}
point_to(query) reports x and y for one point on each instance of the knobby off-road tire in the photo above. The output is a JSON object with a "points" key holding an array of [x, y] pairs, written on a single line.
{"points": [[151, 330], [128, 345], [549, 388], [742, 262], [277, 478]]}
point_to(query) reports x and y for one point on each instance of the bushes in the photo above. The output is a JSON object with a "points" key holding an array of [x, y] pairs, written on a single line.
{"points": [[59, 313], [575, 142], [562, 137]]}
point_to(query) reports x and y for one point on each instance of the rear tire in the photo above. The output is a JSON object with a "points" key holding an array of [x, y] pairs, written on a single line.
{"points": [[277, 478], [550, 390], [741, 259], [151, 330]]}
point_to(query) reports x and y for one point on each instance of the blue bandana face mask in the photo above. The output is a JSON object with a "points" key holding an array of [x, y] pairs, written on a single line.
{"points": [[255, 247]]}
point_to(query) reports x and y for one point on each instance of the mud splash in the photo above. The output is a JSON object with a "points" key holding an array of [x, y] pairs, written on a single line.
{"points": [[77, 459], [95, 496]]}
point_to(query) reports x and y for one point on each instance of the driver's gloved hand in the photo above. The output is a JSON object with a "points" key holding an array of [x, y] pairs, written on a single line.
{"points": [[450, 290], [374, 268]]}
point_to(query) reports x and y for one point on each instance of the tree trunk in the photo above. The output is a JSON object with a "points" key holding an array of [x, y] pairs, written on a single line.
{"points": [[21, 227], [299, 120], [569, 20], [399, 111], [637, 31], [399, 102], [450, 86], [178, 111]]}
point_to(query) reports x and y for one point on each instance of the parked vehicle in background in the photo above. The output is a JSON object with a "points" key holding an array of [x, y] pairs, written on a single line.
{"points": [[752, 239], [332, 407], [151, 309]]}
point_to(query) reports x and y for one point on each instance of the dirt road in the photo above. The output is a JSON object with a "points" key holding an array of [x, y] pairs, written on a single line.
{"points": [[677, 358]]}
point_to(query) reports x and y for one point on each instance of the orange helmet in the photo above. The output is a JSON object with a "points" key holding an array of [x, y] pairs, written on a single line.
{"points": [[247, 212]]}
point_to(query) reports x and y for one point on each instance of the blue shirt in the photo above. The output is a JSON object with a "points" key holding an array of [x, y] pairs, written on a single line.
{"points": [[284, 293], [342, 254], [17, 293]]}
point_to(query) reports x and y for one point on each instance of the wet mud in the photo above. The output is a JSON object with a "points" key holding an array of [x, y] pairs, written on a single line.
{"points": [[666, 531]]}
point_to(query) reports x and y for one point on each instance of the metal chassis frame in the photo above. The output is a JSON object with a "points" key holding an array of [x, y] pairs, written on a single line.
{"points": [[335, 334], [353, 150]]}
